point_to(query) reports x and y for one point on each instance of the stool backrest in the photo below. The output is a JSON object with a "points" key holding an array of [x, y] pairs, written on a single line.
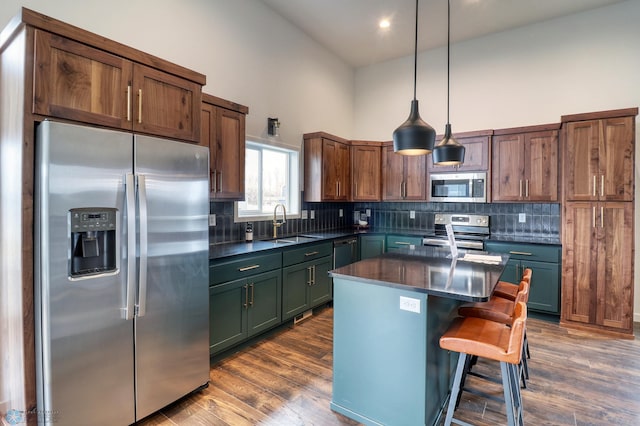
{"points": [[517, 332], [526, 275], [523, 292]]}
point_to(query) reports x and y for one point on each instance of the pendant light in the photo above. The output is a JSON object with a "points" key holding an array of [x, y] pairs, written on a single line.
{"points": [[414, 136], [448, 152]]}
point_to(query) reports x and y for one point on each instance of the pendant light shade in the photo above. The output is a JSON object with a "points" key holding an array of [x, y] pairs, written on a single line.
{"points": [[448, 152], [414, 136]]}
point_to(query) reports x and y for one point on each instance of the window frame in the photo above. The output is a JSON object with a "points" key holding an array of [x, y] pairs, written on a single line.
{"points": [[294, 181]]}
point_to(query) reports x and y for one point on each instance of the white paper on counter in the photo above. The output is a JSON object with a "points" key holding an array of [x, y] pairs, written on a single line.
{"points": [[452, 241]]}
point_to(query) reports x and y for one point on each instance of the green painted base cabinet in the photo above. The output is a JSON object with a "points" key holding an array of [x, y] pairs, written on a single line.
{"points": [[545, 263], [398, 242], [306, 285], [371, 246], [244, 307]]}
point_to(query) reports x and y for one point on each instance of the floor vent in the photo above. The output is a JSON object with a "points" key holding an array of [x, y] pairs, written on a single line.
{"points": [[303, 316]]}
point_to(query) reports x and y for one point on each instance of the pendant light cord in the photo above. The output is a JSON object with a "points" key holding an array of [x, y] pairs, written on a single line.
{"points": [[448, 51], [415, 56]]}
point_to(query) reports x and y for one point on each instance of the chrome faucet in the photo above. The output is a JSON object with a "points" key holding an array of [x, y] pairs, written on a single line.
{"points": [[277, 224]]}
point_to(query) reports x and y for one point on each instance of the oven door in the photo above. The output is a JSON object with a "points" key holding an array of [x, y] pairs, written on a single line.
{"points": [[458, 187]]}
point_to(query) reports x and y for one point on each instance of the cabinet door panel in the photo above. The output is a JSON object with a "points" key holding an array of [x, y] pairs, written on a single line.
{"points": [[392, 174], [476, 156], [166, 105], [544, 292], [508, 167], [580, 253], [329, 170], [615, 259], [320, 292], [366, 172], [415, 178], [343, 172], [541, 151], [227, 315], [77, 82], [295, 280], [371, 246], [265, 308], [229, 154], [512, 273], [581, 160], [616, 159]]}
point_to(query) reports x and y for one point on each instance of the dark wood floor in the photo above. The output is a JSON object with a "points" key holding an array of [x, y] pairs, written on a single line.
{"points": [[577, 378]]}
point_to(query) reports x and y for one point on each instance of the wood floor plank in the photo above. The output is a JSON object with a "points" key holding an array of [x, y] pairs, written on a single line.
{"points": [[577, 379]]}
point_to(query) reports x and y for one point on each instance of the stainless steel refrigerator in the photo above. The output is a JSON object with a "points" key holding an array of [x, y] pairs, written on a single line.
{"points": [[122, 318]]}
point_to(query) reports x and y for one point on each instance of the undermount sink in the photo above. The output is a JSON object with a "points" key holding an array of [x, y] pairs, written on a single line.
{"points": [[292, 240]]}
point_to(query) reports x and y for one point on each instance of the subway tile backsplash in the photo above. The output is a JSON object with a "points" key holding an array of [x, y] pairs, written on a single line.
{"points": [[542, 220]]}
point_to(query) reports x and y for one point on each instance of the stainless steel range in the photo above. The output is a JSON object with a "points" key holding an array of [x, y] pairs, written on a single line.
{"points": [[470, 230]]}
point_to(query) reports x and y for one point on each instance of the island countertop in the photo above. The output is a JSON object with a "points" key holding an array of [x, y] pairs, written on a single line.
{"points": [[429, 270]]}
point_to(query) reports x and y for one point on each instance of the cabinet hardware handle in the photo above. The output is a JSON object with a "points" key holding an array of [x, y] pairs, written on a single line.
{"points": [[246, 296], [402, 243], [337, 189], [214, 186], [520, 188], [522, 253], [526, 188], [594, 185], [313, 253], [601, 216], [219, 182], [602, 186], [309, 280], [248, 268], [594, 216], [129, 103], [251, 301], [355, 187], [139, 106], [313, 275]]}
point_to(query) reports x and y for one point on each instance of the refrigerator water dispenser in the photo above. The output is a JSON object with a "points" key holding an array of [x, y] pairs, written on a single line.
{"points": [[93, 241]]}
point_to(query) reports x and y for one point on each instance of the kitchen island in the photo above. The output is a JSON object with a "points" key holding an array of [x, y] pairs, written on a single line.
{"points": [[389, 314]]}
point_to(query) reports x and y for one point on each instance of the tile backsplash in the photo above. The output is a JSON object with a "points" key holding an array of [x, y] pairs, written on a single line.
{"points": [[542, 220]]}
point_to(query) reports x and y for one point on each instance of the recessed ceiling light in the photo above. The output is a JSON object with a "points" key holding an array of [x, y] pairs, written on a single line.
{"points": [[384, 23]]}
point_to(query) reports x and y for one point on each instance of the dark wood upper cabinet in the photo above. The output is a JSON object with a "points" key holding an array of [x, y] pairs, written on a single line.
{"points": [[366, 171], [525, 164], [223, 131], [327, 168], [403, 177], [78, 82], [599, 159], [476, 155]]}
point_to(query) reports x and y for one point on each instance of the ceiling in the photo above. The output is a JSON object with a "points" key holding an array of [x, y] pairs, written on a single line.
{"points": [[349, 28]]}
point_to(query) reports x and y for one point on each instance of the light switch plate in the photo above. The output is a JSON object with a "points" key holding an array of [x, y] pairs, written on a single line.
{"points": [[522, 218], [412, 214], [305, 214], [340, 213], [368, 212], [313, 214], [212, 220]]}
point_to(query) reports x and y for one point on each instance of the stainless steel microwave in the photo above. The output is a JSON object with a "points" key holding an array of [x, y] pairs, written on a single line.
{"points": [[458, 187]]}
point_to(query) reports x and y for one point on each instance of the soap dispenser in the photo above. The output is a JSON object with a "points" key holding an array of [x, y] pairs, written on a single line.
{"points": [[248, 234]]}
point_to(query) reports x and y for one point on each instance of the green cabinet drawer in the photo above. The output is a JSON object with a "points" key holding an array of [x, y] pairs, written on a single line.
{"points": [[244, 266], [397, 242], [537, 252], [306, 252]]}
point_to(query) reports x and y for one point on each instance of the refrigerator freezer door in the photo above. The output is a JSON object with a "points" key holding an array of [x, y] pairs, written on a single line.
{"points": [[172, 328], [85, 346]]}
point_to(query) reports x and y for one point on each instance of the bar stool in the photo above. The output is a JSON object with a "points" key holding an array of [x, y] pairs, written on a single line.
{"points": [[492, 340], [501, 310], [508, 290]]}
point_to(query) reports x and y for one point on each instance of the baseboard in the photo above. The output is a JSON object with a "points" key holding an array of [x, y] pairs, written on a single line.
{"points": [[636, 317]]}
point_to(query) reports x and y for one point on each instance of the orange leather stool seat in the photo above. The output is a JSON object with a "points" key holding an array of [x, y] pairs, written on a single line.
{"points": [[508, 290], [492, 340]]}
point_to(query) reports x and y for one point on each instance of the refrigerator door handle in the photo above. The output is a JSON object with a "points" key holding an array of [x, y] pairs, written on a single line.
{"points": [[130, 192], [142, 281]]}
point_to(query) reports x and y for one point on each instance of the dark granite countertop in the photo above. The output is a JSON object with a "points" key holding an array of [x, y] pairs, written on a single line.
{"points": [[428, 270]]}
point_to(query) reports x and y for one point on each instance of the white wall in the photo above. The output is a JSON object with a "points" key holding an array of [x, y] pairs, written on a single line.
{"points": [[532, 75], [249, 54]]}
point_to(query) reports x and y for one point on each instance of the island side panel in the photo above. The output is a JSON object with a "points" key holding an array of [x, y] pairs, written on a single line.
{"points": [[388, 366]]}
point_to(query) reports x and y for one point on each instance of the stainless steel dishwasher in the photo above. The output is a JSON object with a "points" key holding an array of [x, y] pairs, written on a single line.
{"points": [[345, 251]]}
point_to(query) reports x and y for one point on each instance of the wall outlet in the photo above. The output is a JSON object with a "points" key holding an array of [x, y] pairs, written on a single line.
{"points": [[410, 304], [304, 214], [212, 220], [368, 212], [412, 214], [313, 214], [340, 213], [522, 217]]}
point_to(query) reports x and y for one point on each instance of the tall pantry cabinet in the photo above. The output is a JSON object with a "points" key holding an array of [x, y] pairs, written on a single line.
{"points": [[598, 226]]}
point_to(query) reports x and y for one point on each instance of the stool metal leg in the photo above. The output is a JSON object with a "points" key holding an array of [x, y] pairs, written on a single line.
{"points": [[456, 388], [507, 384]]}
